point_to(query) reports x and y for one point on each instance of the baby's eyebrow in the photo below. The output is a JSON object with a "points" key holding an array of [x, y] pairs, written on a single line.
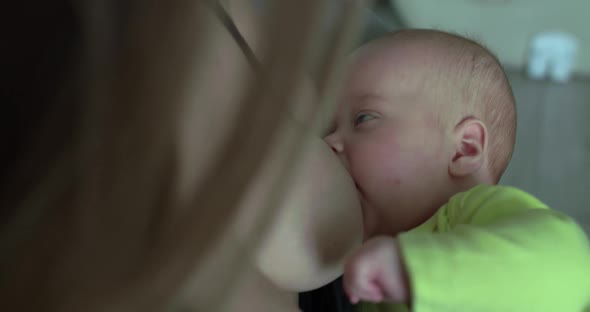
{"points": [[368, 99]]}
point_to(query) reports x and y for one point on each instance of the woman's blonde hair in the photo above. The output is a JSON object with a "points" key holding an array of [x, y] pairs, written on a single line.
{"points": [[93, 219]]}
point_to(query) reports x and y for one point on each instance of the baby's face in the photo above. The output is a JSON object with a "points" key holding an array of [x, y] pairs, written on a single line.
{"points": [[388, 138]]}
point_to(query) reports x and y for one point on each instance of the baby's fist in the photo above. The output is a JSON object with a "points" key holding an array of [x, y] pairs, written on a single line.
{"points": [[376, 273]]}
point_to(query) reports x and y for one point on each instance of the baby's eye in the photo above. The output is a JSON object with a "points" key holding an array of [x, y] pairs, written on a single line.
{"points": [[362, 117]]}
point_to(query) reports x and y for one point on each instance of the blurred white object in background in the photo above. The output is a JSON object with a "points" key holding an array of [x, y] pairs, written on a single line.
{"points": [[505, 27], [552, 54]]}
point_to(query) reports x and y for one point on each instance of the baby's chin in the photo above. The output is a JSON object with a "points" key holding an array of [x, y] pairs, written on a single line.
{"points": [[369, 221], [369, 229]]}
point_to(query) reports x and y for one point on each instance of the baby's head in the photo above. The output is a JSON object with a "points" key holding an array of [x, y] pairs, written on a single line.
{"points": [[424, 115]]}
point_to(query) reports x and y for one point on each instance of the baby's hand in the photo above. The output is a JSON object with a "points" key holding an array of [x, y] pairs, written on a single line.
{"points": [[375, 273]]}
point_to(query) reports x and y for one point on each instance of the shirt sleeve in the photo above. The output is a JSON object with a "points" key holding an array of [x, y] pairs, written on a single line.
{"points": [[498, 249]]}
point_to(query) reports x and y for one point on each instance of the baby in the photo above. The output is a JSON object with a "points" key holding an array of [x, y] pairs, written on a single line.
{"points": [[426, 129]]}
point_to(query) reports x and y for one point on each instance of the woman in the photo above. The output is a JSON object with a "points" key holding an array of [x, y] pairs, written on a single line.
{"points": [[154, 177]]}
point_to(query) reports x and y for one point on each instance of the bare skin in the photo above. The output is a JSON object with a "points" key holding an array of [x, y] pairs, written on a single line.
{"points": [[389, 139], [318, 223]]}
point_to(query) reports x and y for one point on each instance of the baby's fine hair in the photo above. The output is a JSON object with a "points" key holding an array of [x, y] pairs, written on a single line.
{"points": [[479, 83]]}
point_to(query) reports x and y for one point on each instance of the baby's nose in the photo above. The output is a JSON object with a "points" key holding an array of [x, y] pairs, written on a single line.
{"points": [[333, 141], [337, 147]]}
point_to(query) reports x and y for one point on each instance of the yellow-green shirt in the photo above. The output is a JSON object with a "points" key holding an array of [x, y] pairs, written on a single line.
{"points": [[495, 249]]}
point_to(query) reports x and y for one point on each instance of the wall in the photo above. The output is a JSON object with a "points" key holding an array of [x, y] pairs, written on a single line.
{"points": [[505, 26]]}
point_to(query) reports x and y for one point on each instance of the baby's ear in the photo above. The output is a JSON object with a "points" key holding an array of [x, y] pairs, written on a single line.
{"points": [[470, 139]]}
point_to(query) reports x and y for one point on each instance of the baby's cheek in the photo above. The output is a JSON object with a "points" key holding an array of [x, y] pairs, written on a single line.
{"points": [[377, 164]]}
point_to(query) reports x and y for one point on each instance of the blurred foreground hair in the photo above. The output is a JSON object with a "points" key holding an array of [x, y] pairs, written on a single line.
{"points": [[94, 217]]}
